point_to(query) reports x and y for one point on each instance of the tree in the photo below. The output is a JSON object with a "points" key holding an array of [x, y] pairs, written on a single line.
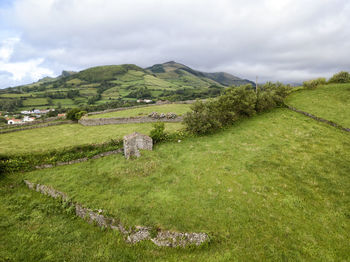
{"points": [[50, 101], [75, 114], [341, 77]]}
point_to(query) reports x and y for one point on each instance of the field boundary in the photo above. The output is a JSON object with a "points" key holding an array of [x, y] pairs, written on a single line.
{"points": [[37, 125], [140, 106], [319, 119], [80, 160], [132, 235], [125, 120]]}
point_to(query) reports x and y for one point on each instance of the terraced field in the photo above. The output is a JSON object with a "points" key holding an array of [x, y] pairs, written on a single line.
{"points": [[331, 102], [54, 137], [273, 187], [178, 109]]}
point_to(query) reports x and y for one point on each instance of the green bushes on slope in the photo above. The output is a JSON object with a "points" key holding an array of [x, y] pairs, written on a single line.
{"points": [[234, 104], [341, 77], [312, 84], [27, 162]]}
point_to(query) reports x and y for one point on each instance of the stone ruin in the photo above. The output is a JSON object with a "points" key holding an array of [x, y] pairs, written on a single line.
{"points": [[134, 142], [156, 115]]}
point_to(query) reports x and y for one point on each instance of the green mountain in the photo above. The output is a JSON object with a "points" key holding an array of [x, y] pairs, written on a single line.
{"points": [[102, 84], [176, 72]]}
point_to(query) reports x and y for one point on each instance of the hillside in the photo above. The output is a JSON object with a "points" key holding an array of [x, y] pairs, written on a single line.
{"points": [[182, 74], [240, 185], [336, 108], [118, 84]]}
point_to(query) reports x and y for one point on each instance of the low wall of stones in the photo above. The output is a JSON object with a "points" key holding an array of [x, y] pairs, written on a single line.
{"points": [[140, 106], [124, 120], [36, 125], [131, 235], [118, 151], [36, 122], [319, 119]]}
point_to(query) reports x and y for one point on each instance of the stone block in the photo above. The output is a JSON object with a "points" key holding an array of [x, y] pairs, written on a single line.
{"points": [[134, 142]]}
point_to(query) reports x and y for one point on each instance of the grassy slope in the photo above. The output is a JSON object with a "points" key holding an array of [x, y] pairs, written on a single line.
{"points": [[331, 102], [273, 187], [122, 79], [47, 138], [179, 109]]}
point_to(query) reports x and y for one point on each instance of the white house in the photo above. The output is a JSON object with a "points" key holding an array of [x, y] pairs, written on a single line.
{"points": [[14, 121], [28, 119]]}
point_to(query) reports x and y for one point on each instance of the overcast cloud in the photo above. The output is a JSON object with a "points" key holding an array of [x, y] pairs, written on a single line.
{"points": [[284, 40]]}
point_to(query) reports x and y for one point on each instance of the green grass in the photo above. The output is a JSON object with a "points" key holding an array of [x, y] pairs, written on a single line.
{"points": [[14, 95], [331, 102], [63, 102], [54, 137], [35, 102], [273, 187], [35, 228], [179, 109]]}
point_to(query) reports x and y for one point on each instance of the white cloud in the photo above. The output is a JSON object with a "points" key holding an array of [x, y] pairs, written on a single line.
{"points": [[6, 48], [14, 72], [277, 40]]}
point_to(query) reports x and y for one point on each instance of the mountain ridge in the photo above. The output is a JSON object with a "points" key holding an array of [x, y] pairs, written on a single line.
{"points": [[127, 82]]}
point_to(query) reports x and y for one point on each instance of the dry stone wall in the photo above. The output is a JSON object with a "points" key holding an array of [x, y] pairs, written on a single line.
{"points": [[124, 120], [132, 107], [131, 235], [36, 125], [319, 119], [119, 151]]}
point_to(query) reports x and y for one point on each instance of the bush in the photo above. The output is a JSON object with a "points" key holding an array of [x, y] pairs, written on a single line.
{"points": [[202, 120], [312, 84], [80, 114], [3, 120], [27, 162], [341, 77], [75, 114], [157, 133], [264, 101], [235, 103], [240, 100]]}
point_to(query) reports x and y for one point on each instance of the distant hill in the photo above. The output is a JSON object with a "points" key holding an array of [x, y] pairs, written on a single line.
{"points": [[128, 82], [172, 70]]}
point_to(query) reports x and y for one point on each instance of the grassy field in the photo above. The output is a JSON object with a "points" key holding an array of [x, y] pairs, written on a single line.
{"points": [[331, 102], [270, 188], [35, 102], [179, 109], [47, 138]]}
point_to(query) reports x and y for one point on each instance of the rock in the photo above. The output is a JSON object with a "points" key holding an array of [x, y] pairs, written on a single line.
{"points": [[134, 142], [171, 115]]}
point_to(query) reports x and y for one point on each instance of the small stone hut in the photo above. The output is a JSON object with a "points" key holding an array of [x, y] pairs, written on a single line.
{"points": [[134, 142]]}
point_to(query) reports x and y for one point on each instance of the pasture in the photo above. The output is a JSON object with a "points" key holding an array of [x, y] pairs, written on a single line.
{"points": [[178, 109], [270, 187], [331, 102]]}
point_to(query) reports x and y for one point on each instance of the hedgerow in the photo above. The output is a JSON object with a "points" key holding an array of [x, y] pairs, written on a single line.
{"points": [[235, 103], [27, 162]]}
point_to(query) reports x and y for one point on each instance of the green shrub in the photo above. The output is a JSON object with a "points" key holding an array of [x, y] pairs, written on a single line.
{"points": [[27, 162], [157, 133], [264, 101], [240, 100], [341, 77], [202, 120], [235, 103], [312, 84], [3, 120], [75, 114], [80, 114]]}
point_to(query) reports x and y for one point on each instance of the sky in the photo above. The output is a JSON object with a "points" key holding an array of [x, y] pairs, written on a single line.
{"points": [[276, 40]]}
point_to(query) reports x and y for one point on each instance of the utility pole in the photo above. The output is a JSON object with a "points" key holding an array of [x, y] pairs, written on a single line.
{"points": [[256, 84]]}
